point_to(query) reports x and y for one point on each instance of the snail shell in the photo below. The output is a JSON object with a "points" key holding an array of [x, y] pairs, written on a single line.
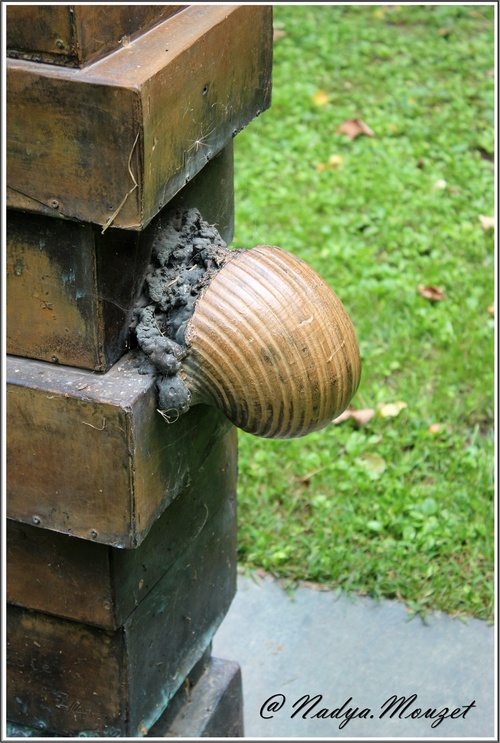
{"points": [[271, 345]]}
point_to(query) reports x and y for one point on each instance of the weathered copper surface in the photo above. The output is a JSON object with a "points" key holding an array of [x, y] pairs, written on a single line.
{"points": [[101, 585], [89, 455], [212, 707], [112, 143], [74, 35], [72, 678], [71, 290]]}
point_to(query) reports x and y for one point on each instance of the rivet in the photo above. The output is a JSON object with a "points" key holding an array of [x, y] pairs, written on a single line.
{"points": [[54, 204], [36, 519], [60, 43], [55, 359], [93, 533]]}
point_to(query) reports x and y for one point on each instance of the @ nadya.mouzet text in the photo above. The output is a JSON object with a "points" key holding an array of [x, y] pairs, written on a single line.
{"points": [[401, 708]]}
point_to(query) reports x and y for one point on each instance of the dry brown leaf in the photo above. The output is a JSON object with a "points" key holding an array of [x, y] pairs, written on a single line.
{"points": [[436, 428], [343, 416], [439, 428], [488, 223], [354, 128], [359, 417], [362, 417], [432, 293], [491, 310], [445, 32], [485, 154], [278, 32]]}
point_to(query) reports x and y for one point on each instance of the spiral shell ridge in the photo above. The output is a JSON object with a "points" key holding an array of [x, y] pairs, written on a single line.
{"points": [[272, 346]]}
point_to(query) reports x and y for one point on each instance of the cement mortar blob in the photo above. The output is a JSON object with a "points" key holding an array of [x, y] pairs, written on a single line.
{"points": [[186, 254]]}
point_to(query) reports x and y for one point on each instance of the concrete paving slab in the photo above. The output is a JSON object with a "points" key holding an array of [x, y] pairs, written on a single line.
{"points": [[326, 665]]}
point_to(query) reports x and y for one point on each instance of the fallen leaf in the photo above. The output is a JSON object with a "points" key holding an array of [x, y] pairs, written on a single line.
{"points": [[334, 163], [391, 409], [491, 309], [362, 417], [485, 155], [445, 32], [354, 127], [342, 417], [436, 428], [278, 32], [488, 223], [359, 417], [432, 293], [373, 463], [320, 98]]}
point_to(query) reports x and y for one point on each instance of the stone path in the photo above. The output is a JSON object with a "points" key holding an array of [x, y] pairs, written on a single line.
{"points": [[353, 658]]}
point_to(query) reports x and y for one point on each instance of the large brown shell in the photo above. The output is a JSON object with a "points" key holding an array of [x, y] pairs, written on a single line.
{"points": [[272, 346]]}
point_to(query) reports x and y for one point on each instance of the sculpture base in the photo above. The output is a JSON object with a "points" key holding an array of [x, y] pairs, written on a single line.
{"points": [[210, 707]]}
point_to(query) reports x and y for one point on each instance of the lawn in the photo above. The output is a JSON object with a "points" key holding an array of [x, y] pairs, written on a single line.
{"points": [[401, 506]]}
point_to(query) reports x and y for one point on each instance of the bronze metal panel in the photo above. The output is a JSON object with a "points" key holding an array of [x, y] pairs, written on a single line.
{"points": [[112, 143], [136, 571], [71, 144], [72, 679], [44, 33], [62, 674], [88, 455], [214, 88], [212, 707], [59, 575], [68, 464], [191, 601], [52, 312], [75, 35], [96, 584]]}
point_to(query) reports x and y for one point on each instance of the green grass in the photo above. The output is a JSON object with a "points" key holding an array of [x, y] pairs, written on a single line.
{"points": [[392, 509]]}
